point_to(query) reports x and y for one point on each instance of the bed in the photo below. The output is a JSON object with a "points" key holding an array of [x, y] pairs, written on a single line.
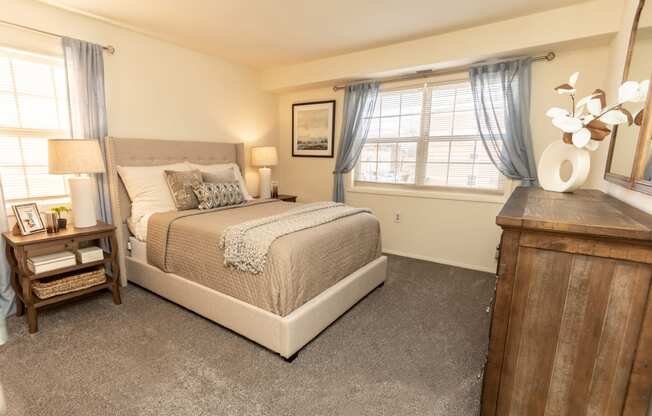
{"points": [[311, 277]]}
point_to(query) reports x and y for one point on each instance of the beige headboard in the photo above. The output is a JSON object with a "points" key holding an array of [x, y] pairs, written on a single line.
{"points": [[146, 152]]}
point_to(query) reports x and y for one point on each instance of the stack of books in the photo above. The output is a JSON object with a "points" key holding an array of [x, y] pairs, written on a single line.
{"points": [[90, 254], [52, 261]]}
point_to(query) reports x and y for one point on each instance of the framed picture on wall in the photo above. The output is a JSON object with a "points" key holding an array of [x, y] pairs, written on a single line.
{"points": [[313, 129]]}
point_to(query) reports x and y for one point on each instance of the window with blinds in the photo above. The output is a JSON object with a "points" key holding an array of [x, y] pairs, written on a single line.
{"points": [[33, 108], [427, 136]]}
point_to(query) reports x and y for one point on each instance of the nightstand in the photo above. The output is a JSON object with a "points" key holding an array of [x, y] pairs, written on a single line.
{"points": [[20, 248], [287, 198]]}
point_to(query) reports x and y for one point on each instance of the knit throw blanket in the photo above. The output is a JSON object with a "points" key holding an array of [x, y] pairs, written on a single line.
{"points": [[246, 245]]}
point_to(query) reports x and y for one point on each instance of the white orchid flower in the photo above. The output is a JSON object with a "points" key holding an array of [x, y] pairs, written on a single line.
{"points": [[630, 91], [583, 101], [573, 79], [555, 112], [614, 117], [568, 88], [644, 87], [567, 124], [581, 137], [587, 118], [594, 106]]}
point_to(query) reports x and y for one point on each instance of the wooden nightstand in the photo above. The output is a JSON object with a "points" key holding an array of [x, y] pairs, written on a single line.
{"points": [[20, 248], [287, 198]]}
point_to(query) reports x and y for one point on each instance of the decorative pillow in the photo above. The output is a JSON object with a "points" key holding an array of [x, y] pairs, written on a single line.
{"points": [[228, 175], [147, 188], [223, 169], [181, 186], [215, 195]]}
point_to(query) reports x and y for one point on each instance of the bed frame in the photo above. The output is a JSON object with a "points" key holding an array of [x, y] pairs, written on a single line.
{"points": [[284, 335]]}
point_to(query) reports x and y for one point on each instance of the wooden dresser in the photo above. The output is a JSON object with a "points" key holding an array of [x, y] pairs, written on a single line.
{"points": [[571, 331]]}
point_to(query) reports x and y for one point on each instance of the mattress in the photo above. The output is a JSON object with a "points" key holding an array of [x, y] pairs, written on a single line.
{"points": [[299, 266], [137, 249]]}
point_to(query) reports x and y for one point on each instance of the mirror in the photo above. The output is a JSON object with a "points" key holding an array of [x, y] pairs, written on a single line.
{"points": [[647, 166], [626, 149]]}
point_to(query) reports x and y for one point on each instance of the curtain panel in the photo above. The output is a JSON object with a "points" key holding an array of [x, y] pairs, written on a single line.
{"points": [[84, 63], [501, 96], [7, 301], [359, 104]]}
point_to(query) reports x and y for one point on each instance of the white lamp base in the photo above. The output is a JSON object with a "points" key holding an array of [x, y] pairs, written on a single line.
{"points": [[265, 183], [82, 197]]}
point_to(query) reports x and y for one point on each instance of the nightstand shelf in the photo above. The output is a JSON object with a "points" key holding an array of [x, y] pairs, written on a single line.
{"points": [[80, 266], [20, 248]]}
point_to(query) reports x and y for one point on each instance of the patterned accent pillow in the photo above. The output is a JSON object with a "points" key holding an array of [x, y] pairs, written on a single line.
{"points": [[215, 195], [181, 184]]}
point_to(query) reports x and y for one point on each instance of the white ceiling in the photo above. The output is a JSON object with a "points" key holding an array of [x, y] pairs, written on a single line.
{"points": [[268, 33]]}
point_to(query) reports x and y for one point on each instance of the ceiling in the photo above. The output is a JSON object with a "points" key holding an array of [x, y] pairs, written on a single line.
{"points": [[268, 33]]}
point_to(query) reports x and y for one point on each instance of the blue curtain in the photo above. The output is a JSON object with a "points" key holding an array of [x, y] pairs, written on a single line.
{"points": [[359, 103], [85, 76], [501, 96]]}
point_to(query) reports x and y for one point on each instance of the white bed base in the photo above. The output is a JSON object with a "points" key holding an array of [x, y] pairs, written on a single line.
{"points": [[284, 335]]}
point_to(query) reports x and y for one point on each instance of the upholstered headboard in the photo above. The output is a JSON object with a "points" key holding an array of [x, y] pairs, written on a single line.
{"points": [[146, 152]]}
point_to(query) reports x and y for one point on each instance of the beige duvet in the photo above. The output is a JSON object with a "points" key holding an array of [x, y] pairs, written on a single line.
{"points": [[299, 265]]}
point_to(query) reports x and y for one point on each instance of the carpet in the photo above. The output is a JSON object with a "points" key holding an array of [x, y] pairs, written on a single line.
{"points": [[415, 346]]}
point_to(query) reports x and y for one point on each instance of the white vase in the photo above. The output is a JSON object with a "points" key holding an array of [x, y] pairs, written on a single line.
{"points": [[551, 162]]}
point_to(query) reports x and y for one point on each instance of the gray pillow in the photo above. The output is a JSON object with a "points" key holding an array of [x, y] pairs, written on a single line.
{"points": [[181, 185], [215, 195]]}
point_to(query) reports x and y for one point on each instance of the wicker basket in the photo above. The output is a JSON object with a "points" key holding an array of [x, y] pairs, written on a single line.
{"points": [[50, 288]]}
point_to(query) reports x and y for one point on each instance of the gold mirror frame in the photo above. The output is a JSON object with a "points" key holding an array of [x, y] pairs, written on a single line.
{"points": [[645, 134]]}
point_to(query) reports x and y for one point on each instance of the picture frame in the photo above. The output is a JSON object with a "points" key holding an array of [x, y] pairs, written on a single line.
{"points": [[313, 129], [28, 218]]}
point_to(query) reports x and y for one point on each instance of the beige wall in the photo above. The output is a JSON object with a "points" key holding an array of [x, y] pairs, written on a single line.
{"points": [[446, 230], [159, 90], [585, 22]]}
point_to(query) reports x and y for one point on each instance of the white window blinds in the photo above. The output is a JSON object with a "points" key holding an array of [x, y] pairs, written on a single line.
{"points": [[427, 136], [33, 108]]}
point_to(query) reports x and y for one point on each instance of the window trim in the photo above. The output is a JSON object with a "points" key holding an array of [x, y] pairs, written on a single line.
{"points": [[419, 189], [432, 192]]}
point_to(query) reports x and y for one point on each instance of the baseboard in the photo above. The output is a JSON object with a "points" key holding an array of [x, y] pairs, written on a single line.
{"points": [[447, 262]]}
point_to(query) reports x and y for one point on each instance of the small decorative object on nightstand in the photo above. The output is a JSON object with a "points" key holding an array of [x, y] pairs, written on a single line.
{"points": [[76, 279]]}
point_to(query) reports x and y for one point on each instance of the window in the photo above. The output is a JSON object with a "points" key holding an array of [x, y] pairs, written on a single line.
{"points": [[33, 108], [427, 136]]}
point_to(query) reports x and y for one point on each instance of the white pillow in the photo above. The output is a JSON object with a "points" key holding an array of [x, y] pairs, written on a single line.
{"points": [[147, 189], [219, 168]]}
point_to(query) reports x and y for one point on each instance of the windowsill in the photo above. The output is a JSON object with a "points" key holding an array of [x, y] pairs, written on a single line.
{"points": [[43, 204], [455, 194]]}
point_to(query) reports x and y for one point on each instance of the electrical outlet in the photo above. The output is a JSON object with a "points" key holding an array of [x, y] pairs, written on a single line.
{"points": [[397, 217]]}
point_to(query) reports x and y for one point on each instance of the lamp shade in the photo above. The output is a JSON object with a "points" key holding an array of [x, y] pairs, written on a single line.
{"points": [[264, 156], [67, 156]]}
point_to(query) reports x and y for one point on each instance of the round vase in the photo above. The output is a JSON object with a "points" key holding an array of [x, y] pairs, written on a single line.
{"points": [[551, 162]]}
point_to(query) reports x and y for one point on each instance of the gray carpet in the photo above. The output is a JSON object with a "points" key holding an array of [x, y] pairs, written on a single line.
{"points": [[413, 347]]}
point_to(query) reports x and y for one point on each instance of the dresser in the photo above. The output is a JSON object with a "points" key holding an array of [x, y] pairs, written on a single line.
{"points": [[571, 330]]}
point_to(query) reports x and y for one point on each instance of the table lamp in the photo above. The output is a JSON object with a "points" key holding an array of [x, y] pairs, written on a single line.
{"points": [[79, 157], [264, 156]]}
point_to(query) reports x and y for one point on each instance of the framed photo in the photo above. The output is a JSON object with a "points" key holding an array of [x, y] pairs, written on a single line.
{"points": [[313, 129], [28, 218]]}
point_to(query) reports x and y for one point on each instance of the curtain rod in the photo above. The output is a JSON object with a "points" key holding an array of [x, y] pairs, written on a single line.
{"points": [[429, 72], [109, 49]]}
